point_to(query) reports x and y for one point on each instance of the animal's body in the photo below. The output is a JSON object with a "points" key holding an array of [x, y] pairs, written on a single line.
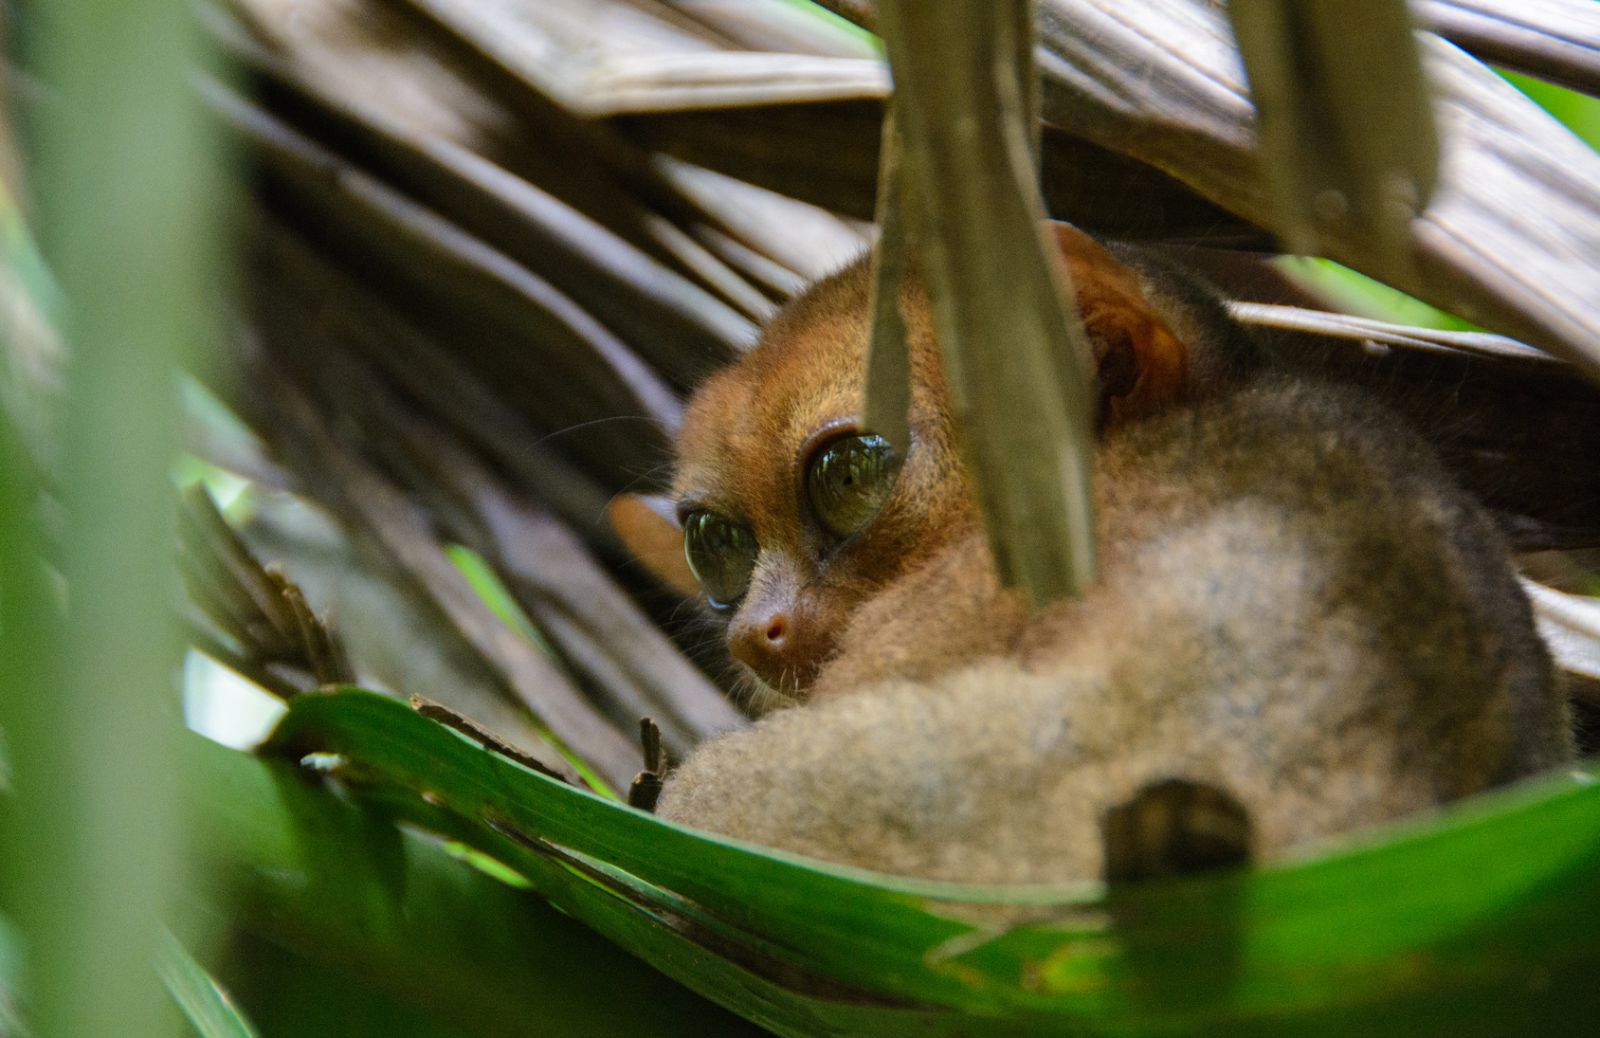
{"points": [[1299, 618]]}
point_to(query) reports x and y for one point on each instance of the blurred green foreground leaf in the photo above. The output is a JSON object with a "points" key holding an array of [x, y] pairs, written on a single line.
{"points": [[1373, 938]]}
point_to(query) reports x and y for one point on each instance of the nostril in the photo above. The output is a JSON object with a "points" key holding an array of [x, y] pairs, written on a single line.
{"points": [[777, 646]]}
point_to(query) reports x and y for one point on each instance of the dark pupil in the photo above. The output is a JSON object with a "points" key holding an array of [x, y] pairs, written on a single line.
{"points": [[849, 480], [721, 554]]}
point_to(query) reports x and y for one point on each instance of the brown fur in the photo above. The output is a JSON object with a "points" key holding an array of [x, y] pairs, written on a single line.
{"points": [[1295, 606]]}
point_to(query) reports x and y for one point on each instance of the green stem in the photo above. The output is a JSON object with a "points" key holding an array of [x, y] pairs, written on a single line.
{"points": [[95, 846]]}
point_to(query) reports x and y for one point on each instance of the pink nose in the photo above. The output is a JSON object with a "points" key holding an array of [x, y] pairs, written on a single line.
{"points": [[775, 646]]}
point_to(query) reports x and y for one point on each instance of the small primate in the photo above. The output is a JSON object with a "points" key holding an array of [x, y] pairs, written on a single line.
{"points": [[1301, 627]]}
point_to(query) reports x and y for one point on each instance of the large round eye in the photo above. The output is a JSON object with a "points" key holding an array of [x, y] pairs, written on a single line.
{"points": [[849, 479], [721, 554]]}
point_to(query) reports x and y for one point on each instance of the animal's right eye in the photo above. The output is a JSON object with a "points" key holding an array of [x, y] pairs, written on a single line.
{"points": [[721, 554], [848, 480]]}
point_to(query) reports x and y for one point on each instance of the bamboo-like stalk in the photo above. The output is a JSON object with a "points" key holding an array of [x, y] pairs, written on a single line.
{"points": [[1340, 146], [95, 848], [1158, 81], [1013, 352], [888, 396]]}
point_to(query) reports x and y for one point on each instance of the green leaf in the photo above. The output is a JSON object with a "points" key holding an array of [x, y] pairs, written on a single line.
{"points": [[1485, 920], [202, 1000], [393, 916], [1578, 112], [10, 978], [1354, 292], [495, 595]]}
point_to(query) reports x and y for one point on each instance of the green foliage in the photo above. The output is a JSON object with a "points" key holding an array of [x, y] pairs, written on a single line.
{"points": [[1355, 293], [1370, 939], [10, 975], [207, 1007], [1578, 112], [488, 587], [345, 925], [91, 844]]}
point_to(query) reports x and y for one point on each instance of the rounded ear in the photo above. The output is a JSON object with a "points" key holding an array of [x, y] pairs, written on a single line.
{"points": [[1141, 365], [647, 527]]}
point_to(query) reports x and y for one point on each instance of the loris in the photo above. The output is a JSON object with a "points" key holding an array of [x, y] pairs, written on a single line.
{"points": [[1300, 627]]}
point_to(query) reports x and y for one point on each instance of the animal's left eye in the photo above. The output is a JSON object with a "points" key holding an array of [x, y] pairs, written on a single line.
{"points": [[722, 556], [848, 479]]}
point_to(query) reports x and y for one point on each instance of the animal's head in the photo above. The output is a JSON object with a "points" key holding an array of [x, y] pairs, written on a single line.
{"points": [[790, 514]]}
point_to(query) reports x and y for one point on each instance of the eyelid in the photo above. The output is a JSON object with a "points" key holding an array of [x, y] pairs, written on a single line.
{"points": [[823, 435], [688, 505]]}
